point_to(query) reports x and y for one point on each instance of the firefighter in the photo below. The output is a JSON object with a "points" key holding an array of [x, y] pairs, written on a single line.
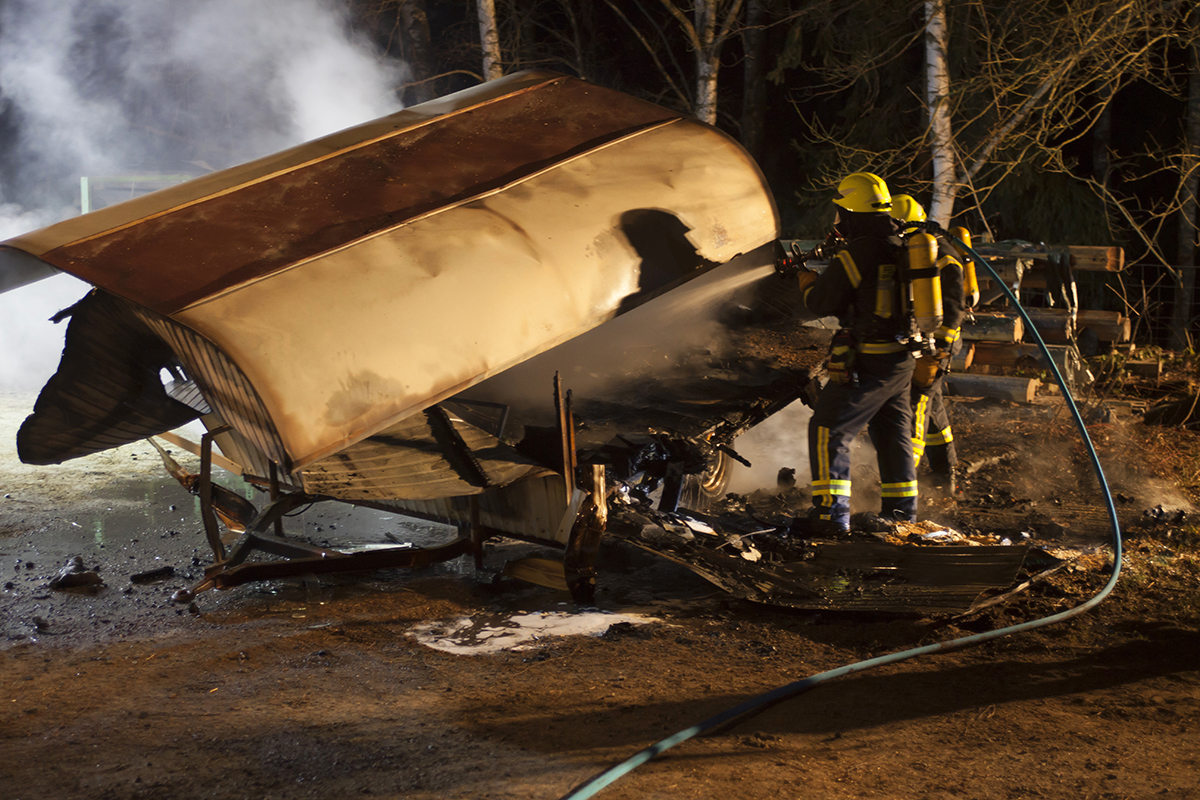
{"points": [[932, 436], [870, 366]]}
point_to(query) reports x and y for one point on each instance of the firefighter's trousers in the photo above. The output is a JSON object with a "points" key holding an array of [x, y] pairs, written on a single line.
{"points": [[881, 403], [932, 437]]}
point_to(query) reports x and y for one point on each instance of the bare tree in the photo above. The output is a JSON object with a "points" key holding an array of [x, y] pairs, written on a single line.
{"points": [[710, 25], [402, 29], [754, 87], [1005, 87], [555, 34], [1186, 250], [937, 104], [489, 39]]}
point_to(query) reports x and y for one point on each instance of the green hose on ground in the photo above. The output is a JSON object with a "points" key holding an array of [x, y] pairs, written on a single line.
{"points": [[763, 702]]}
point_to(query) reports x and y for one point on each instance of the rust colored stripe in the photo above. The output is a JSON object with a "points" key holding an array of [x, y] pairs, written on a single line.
{"points": [[172, 260]]}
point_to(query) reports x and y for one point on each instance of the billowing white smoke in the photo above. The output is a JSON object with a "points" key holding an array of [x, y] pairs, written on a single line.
{"points": [[98, 87], [781, 442]]}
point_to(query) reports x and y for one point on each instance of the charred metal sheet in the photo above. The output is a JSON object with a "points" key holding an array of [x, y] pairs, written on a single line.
{"points": [[530, 509], [767, 566], [412, 460], [323, 294], [225, 387], [106, 392], [868, 576], [234, 511], [1064, 520], [863, 577], [188, 393]]}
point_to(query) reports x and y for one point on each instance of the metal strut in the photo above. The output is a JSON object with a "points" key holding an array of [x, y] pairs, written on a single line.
{"points": [[207, 514], [301, 558]]}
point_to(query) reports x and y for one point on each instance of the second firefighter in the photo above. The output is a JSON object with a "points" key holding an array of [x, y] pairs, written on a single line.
{"points": [[933, 438]]}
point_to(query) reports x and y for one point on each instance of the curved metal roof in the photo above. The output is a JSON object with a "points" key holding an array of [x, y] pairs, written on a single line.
{"points": [[358, 279]]}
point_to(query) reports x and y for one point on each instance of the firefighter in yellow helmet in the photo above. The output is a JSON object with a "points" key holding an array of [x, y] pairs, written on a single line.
{"points": [[906, 209], [932, 436], [870, 366]]}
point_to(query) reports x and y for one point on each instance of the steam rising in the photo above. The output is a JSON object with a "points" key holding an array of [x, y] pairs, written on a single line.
{"points": [[135, 87]]}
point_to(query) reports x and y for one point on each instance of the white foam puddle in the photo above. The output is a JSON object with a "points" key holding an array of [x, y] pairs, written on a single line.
{"points": [[473, 636]]}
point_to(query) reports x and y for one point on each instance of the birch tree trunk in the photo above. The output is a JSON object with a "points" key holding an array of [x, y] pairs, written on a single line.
{"points": [[707, 61], [712, 22], [489, 38], [937, 101], [1186, 250]]}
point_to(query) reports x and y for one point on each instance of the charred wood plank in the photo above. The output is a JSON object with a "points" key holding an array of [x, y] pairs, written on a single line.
{"points": [[1089, 258], [1020, 390], [964, 358], [1109, 326], [1054, 325], [994, 354], [991, 327]]}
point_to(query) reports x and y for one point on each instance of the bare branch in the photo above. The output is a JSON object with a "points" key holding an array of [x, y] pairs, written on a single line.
{"points": [[653, 52]]}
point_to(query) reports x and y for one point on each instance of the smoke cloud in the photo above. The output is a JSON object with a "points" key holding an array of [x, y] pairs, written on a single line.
{"points": [[134, 87]]}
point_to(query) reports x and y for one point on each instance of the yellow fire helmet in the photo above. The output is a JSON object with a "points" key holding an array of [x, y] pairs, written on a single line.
{"points": [[864, 193], [906, 209]]}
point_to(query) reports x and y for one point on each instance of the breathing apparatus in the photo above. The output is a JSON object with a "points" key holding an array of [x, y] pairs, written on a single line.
{"points": [[961, 242], [920, 280], [913, 280], [924, 283]]}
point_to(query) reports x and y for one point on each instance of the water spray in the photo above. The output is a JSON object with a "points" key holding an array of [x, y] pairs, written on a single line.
{"points": [[759, 704]]}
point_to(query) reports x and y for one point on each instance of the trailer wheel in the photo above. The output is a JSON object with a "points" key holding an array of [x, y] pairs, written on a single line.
{"points": [[703, 489]]}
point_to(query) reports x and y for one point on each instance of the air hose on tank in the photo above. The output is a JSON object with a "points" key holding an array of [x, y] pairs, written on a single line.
{"points": [[763, 702]]}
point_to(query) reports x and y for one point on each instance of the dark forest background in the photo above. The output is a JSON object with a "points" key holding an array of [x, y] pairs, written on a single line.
{"points": [[1070, 123], [1091, 105]]}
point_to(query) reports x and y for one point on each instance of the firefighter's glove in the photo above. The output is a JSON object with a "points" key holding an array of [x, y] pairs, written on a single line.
{"points": [[946, 346], [806, 278]]}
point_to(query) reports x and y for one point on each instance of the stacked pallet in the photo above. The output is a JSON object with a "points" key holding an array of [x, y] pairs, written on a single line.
{"points": [[1053, 325], [1000, 340]]}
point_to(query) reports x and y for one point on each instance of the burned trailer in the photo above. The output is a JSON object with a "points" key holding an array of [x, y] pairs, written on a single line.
{"points": [[376, 317]]}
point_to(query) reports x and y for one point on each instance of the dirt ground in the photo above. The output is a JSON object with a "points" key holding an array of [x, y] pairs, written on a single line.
{"points": [[326, 689]]}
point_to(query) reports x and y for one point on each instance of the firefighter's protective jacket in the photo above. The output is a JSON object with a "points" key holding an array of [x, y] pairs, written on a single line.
{"points": [[862, 289]]}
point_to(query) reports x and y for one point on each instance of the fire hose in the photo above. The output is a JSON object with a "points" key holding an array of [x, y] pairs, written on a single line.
{"points": [[759, 704]]}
